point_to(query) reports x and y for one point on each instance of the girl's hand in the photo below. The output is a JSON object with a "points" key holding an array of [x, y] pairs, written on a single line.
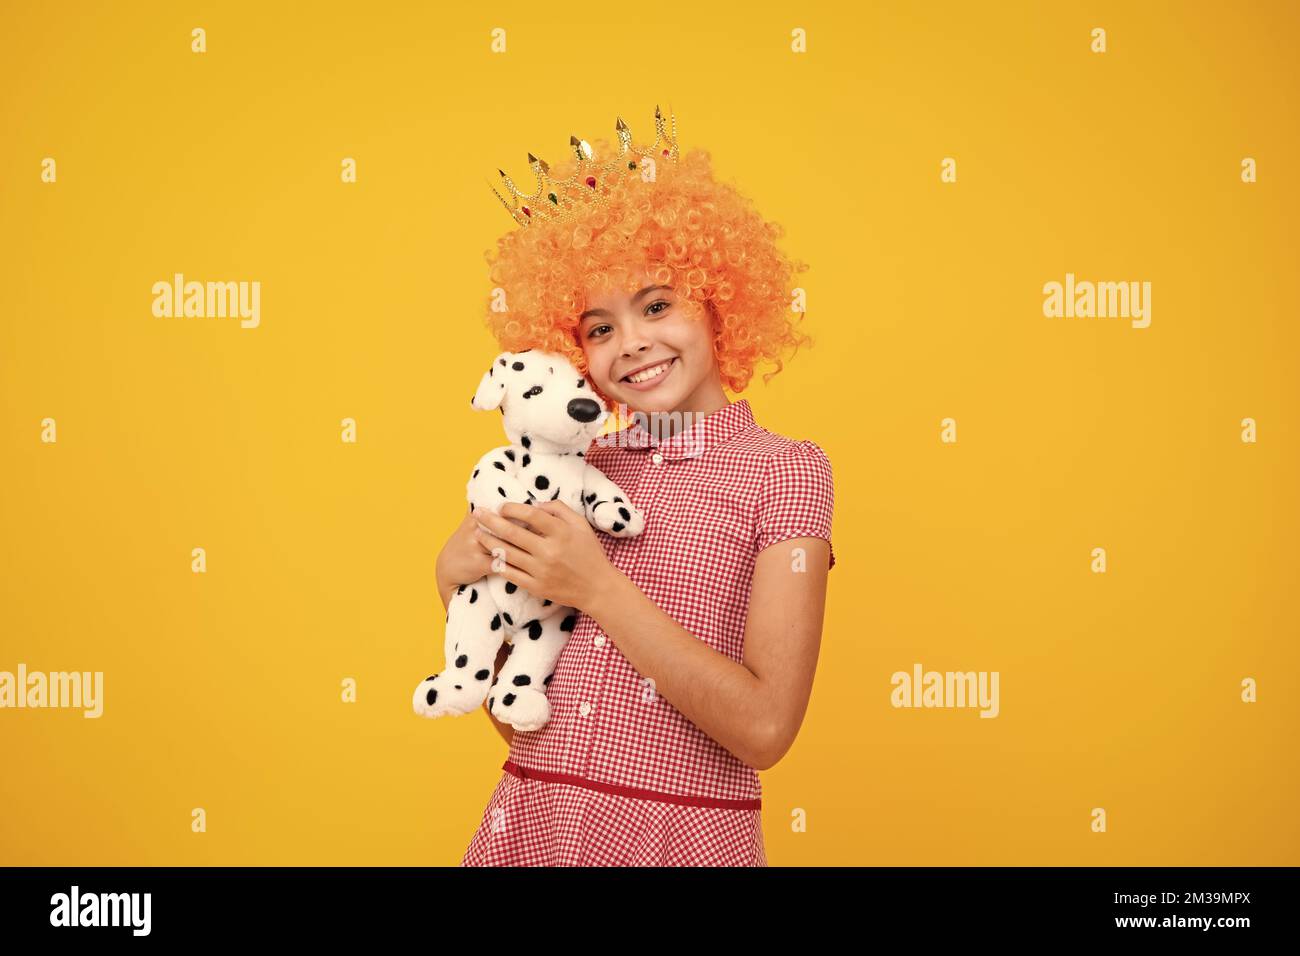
{"points": [[462, 559], [557, 556]]}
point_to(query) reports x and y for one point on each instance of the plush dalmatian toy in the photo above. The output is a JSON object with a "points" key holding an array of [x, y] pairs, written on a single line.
{"points": [[551, 415]]}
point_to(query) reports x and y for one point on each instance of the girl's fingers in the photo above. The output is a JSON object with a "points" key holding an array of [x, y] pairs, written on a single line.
{"points": [[521, 578], [520, 559], [508, 531], [477, 535], [538, 516]]}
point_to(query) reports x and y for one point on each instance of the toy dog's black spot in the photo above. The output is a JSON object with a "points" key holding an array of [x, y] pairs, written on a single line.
{"points": [[525, 462], [508, 699], [432, 696], [542, 482], [501, 492], [590, 498], [518, 366], [625, 514], [496, 622], [525, 442], [510, 454], [617, 526], [522, 680], [511, 587], [462, 660], [507, 617], [534, 630], [568, 622], [473, 595], [497, 464], [483, 674]]}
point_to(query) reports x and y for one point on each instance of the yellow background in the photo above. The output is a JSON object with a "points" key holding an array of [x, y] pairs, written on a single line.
{"points": [[222, 690]]}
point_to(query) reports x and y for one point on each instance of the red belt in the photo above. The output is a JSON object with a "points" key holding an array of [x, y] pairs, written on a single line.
{"points": [[526, 773]]}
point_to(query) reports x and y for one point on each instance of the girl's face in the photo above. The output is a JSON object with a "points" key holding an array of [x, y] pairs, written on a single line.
{"points": [[664, 343]]}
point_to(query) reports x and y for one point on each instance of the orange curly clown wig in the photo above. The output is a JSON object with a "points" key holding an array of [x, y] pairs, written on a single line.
{"points": [[688, 231]]}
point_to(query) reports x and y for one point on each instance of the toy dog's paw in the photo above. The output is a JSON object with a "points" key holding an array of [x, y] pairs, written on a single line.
{"points": [[617, 517], [437, 696], [523, 708]]}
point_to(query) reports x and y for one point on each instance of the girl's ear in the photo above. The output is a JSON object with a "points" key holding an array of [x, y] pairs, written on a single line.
{"points": [[492, 387]]}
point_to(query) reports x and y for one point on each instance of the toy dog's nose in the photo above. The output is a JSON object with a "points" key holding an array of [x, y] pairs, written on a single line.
{"points": [[583, 410]]}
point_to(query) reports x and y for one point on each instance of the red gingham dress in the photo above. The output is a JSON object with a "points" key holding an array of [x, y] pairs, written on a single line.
{"points": [[618, 776]]}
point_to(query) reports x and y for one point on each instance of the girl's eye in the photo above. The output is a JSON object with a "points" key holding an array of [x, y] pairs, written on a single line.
{"points": [[596, 329], [663, 302]]}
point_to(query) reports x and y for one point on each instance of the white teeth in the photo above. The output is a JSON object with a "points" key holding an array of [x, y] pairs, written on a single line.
{"points": [[649, 373]]}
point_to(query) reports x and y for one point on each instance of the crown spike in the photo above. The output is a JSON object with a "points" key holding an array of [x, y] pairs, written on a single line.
{"points": [[510, 209], [624, 137], [508, 182]]}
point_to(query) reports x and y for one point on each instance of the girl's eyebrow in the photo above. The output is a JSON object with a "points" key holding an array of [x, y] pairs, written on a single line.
{"points": [[635, 299]]}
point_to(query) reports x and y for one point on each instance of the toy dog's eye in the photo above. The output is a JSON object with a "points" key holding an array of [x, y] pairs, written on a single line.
{"points": [[581, 382], [535, 390]]}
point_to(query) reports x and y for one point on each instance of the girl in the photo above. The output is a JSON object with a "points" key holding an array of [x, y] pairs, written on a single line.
{"points": [[691, 664]]}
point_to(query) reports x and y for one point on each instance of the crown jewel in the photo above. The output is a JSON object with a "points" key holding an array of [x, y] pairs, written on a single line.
{"points": [[558, 201]]}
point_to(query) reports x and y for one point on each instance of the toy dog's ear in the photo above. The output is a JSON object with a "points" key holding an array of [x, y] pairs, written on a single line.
{"points": [[492, 387]]}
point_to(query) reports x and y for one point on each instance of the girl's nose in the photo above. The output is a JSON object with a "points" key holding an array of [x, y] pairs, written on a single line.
{"points": [[634, 343]]}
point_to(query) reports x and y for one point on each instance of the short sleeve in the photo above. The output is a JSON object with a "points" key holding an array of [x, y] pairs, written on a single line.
{"points": [[797, 496]]}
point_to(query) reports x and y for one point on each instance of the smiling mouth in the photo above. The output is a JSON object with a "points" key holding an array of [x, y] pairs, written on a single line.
{"points": [[649, 374]]}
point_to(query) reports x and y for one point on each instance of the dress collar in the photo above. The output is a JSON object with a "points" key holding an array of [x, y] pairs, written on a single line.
{"points": [[703, 434]]}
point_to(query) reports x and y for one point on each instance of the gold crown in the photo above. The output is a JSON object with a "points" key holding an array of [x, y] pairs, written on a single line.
{"points": [[589, 185]]}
